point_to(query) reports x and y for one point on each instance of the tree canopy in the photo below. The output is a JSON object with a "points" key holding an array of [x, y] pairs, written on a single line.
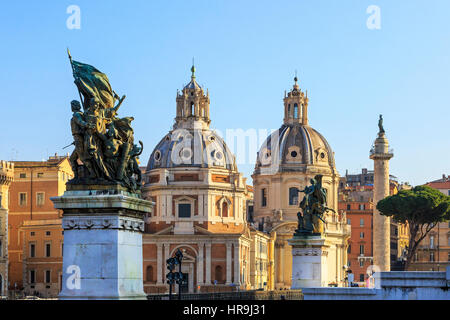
{"points": [[420, 208]]}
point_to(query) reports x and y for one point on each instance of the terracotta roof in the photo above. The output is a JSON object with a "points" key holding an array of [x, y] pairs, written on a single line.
{"points": [[439, 185], [48, 163]]}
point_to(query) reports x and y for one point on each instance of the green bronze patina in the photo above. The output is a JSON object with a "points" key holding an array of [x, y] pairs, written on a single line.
{"points": [[314, 206], [105, 153]]}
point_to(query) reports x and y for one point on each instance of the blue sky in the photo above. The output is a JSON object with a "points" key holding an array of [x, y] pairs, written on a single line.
{"points": [[246, 53]]}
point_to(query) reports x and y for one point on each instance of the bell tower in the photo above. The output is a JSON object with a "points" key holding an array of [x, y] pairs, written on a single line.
{"points": [[192, 106], [296, 106]]}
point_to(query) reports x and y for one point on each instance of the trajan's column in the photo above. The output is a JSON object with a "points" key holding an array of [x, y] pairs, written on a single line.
{"points": [[381, 155]]}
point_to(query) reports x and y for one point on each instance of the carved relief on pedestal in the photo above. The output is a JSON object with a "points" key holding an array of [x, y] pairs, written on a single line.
{"points": [[309, 252], [103, 223]]}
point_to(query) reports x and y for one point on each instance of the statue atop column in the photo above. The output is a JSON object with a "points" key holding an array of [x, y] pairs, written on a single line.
{"points": [[313, 207], [380, 125], [105, 153]]}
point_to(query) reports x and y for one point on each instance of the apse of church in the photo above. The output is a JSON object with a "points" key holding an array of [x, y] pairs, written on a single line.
{"points": [[286, 162]]}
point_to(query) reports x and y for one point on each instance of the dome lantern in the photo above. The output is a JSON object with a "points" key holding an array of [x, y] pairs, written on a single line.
{"points": [[296, 106], [192, 106]]}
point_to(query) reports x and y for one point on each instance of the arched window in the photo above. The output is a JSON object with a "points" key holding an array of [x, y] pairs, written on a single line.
{"points": [[149, 274], [218, 209], [224, 209], [203, 112], [218, 273], [192, 108], [293, 196], [296, 111]]}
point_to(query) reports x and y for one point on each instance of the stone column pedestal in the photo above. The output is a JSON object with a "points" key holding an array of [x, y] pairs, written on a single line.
{"points": [[309, 262], [102, 254]]}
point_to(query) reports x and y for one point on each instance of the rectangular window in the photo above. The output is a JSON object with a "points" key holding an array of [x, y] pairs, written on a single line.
{"points": [[361, 222], [263, 198], [362, 207], [361, 277], [40, 175], [361, 235], [40, 198], [431, 256], [184, 210], [47, 276], [23, 175], [32, 250], [349, 249], [48, 248], [448, 258], [47, 233], [361, 249], [293, 196], [1, 249], [32, 276], [361, 263], [22, 198], [348, 207], [431, 242], [349, 221], [32, 233]]}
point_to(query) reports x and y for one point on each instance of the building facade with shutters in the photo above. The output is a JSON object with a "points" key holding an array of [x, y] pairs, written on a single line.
{"points": [[30, 210], [356, 200]]}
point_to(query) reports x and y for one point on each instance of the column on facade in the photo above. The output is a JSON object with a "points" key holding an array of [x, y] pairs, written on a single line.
{"points": [[160, 265], [237, 260], [281, 279], [200, 262], [208, 264], [228, 280]]}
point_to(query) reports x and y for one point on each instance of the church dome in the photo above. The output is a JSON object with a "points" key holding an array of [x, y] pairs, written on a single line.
{"points": [[191, 143], [295, 145], [191, 148], [292, 146]]}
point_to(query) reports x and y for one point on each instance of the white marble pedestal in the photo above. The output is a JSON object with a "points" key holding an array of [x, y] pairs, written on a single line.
{"points": [[102, 255], [309, 262]]}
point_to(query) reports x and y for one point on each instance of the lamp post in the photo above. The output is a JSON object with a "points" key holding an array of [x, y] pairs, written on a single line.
{"points": [[175, 277]]}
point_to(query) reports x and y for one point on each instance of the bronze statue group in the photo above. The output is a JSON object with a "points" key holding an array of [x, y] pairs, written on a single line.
{"points": [[314, 206], [105, 152]]}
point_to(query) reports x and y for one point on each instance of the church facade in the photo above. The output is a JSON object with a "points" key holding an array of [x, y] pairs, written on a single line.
{"points": [[200, 204], [287, 161]]}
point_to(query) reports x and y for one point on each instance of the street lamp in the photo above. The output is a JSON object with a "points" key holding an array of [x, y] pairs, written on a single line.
{"points": [[175, 277]]}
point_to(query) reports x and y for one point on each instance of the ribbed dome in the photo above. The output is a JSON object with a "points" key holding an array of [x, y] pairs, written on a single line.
{"points": [[191, 148], [292, 146]]}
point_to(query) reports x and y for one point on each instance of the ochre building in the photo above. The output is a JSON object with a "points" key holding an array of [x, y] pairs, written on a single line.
{"points": [[286, 162]]}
